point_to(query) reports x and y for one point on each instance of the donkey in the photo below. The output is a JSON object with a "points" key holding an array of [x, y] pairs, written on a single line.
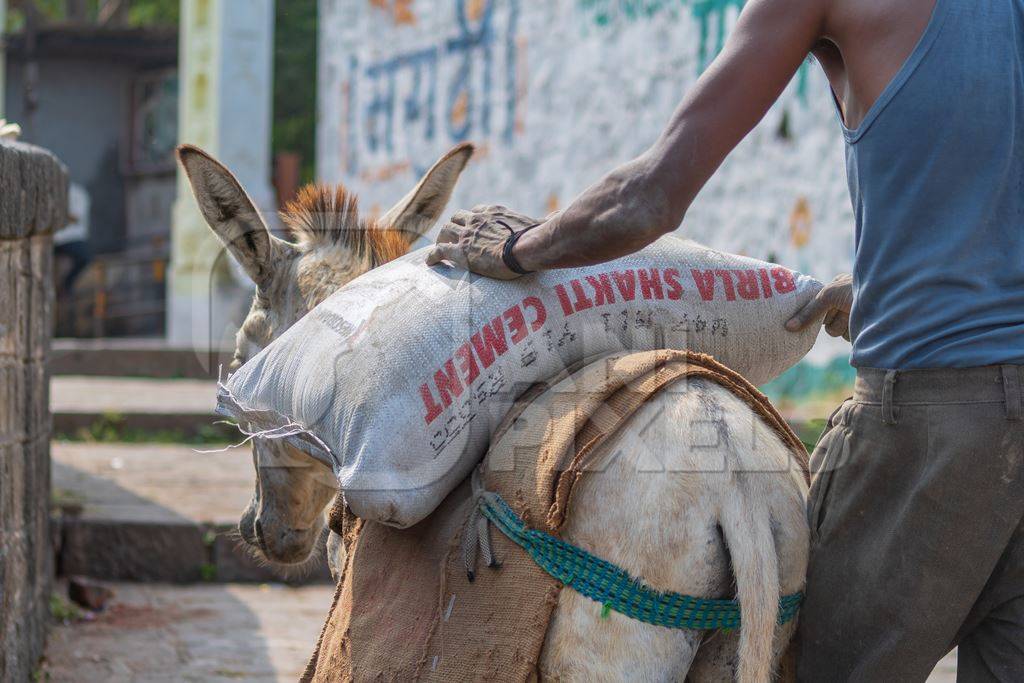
{"points": [[726, 510], [700, 497], [330, 245]]}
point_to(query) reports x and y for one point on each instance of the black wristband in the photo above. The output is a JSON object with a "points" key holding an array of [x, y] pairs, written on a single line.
{"points": [[508, 257]]}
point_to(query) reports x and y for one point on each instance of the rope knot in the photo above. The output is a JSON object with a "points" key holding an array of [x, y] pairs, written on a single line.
{"points": [[476, 540]]}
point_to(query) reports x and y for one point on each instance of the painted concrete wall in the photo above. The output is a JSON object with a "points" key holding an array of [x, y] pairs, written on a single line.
{"points": [[555, 94]]}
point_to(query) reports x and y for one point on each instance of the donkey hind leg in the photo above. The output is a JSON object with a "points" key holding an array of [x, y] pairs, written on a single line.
{"points": [[718, 656], [583, 646], [656, 510], [658, 525]]}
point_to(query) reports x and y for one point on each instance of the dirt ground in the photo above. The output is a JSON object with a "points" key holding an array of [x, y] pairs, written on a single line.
{"points": [[217, 633], [191, 633]]}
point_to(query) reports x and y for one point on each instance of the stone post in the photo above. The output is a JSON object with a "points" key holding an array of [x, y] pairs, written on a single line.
{"points": [[33, 203], [226, 55]]}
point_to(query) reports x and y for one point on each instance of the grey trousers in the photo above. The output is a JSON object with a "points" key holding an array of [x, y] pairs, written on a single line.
{"points": [[917, 542]]}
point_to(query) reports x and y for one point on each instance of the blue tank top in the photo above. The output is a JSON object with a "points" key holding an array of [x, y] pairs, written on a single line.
{"points": [[936, 174]]}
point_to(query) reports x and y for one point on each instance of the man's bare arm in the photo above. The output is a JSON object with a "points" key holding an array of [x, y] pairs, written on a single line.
{"points": [[645, 198]]}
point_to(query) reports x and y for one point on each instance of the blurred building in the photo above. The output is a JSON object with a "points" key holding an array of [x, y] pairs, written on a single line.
{"points": [[113, 101], [105, 100]]}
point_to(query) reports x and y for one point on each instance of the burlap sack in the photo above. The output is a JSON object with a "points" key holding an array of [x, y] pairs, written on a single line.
{"points": [[439, 356], [405, 609]]}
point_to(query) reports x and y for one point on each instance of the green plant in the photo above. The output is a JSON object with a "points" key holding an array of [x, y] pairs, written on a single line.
{"points": [[295, 45], [208, 572], [140, 12], [809, 432], [112, 428], [66, 502], [40, 673], [108, 428], [63, 611], [154, 12]]}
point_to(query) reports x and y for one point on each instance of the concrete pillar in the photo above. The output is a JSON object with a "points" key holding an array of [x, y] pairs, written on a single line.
{"points": [[225, 72]]}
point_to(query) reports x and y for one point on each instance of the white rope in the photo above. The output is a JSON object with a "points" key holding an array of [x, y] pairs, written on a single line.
{"points": [[290, 428]]}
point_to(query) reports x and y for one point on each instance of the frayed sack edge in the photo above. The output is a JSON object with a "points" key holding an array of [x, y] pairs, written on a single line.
{"points": [[256, 423]]}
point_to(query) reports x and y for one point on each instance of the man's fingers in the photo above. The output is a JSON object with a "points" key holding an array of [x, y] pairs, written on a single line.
{"points": [[450, 232], [434, 256], [461, 217], [839, 325], [447, 252], [808, 315]]}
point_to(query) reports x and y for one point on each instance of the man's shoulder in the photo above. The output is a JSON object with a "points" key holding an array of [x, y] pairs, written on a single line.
{"points": [[877, 16]]}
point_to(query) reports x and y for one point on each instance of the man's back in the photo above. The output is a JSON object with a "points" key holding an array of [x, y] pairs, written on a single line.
{"points": [[936, 172], [866, 44]]}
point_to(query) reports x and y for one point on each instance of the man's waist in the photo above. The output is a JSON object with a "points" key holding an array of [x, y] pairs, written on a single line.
{"points": [[986, 384]]}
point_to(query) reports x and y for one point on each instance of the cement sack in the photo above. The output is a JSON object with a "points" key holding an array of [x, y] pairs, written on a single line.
{"points": [[398, 379]]}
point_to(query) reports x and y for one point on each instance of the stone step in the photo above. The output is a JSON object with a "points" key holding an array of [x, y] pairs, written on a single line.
{"points": [[159, 633], [179, 407], [152, 512], [135, 357]]}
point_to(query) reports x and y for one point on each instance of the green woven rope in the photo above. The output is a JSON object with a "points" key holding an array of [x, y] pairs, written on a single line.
{"points": [[612, 587]]}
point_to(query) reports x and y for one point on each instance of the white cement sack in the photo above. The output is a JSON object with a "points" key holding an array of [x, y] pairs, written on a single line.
{"points": [[398, 379]]}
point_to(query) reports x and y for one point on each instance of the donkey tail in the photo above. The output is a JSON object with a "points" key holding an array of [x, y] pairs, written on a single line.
{"points": [[746, 525]]}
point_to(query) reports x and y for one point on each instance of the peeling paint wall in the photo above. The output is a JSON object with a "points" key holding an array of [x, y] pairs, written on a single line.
{"points": [[555, 94]]}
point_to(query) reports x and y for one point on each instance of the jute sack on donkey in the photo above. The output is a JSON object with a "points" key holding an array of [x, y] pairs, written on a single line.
{"points": [[618, 512]]}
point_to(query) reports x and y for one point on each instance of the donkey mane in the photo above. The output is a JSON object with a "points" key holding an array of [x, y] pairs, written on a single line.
{"points": [[328, 216]]}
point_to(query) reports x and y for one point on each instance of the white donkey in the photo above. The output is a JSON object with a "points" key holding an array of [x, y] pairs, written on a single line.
{"points": [[704, 498], [701, 498], [329, 246]]}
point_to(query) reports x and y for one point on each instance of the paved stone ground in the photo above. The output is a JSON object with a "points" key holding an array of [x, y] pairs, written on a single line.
{"points": [[208, 633], [203, 632], [945, 672], [156, 633]]}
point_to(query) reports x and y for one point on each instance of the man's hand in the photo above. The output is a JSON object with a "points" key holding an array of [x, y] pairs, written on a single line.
{"points": [[833, 302], [476, 239]]}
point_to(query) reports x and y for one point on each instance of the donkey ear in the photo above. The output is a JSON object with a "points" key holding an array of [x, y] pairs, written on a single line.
{"points": [[231, 214], [420, 209]]}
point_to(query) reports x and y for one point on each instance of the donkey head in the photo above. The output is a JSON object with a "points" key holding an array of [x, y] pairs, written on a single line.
{"points": [[329, 245]]}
